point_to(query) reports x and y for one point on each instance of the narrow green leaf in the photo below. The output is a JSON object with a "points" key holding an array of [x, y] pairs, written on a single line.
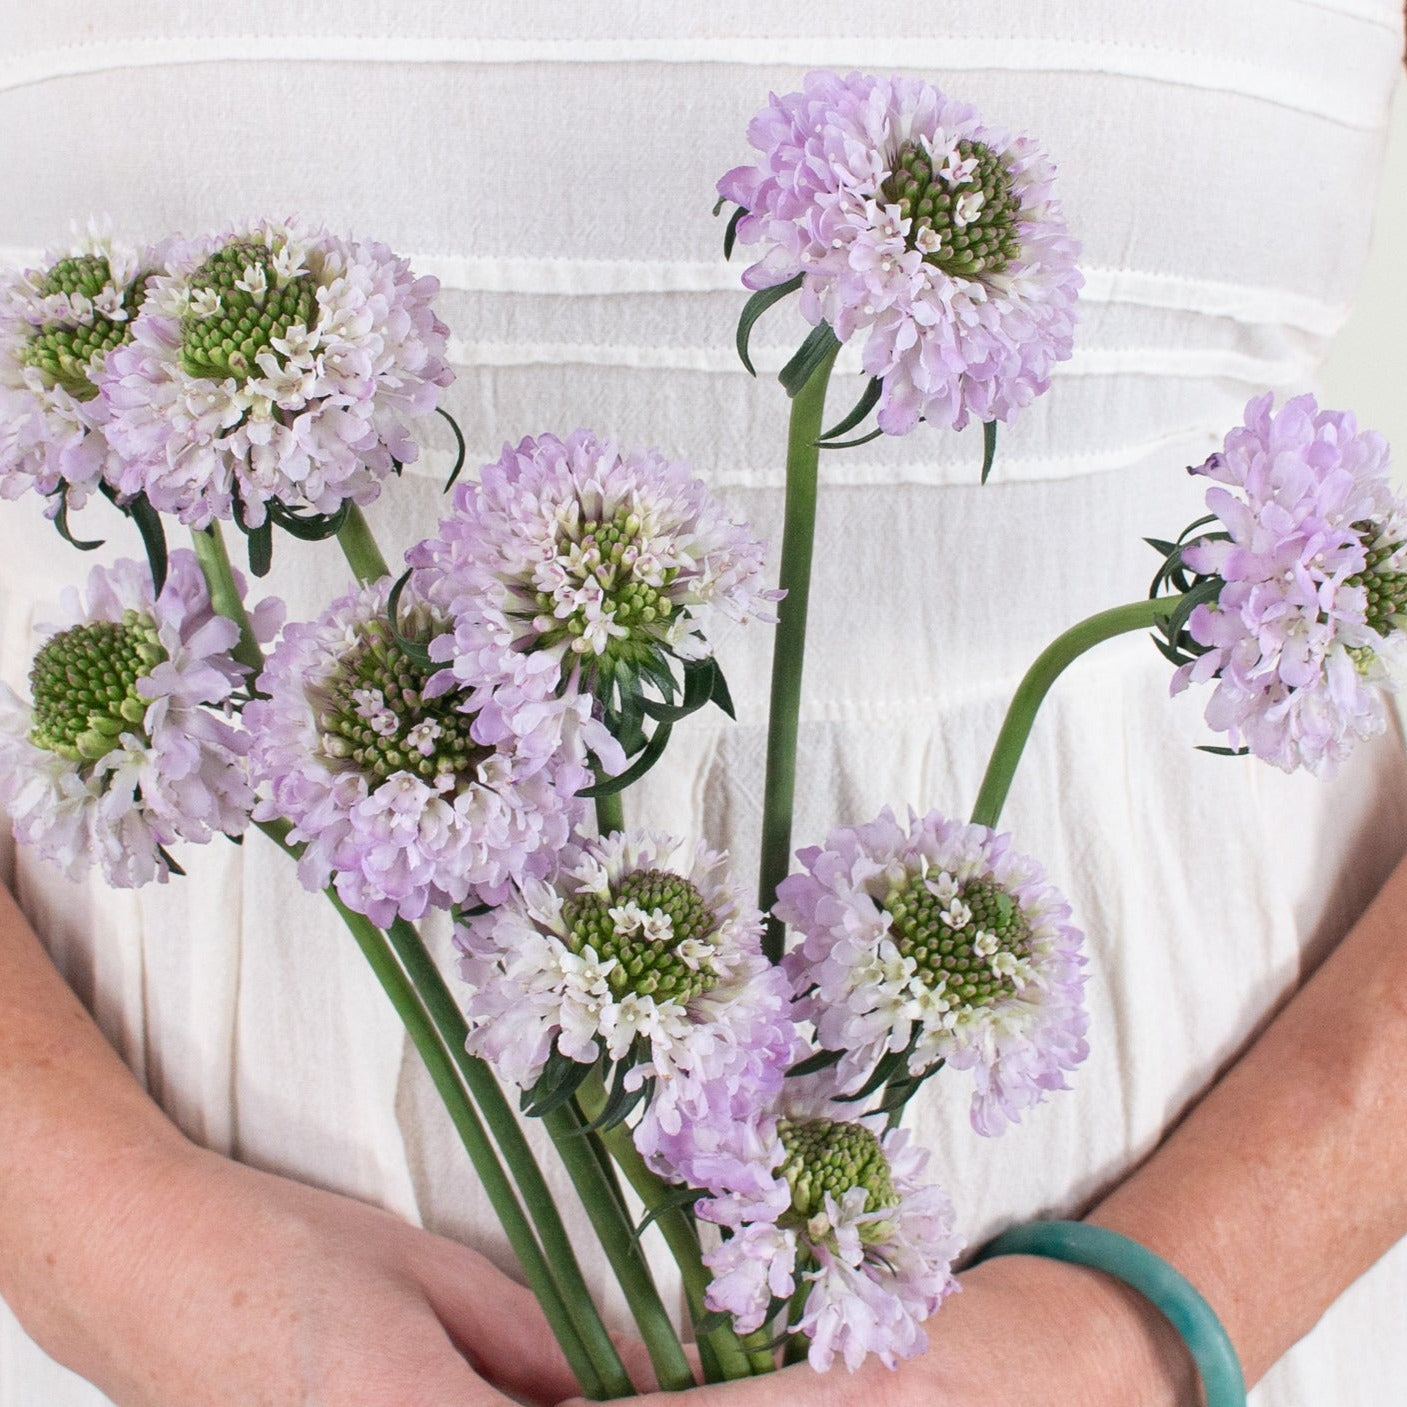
{"points": [[754, 308], [309, 527], [459, 440], [677, 1197], [60, 521], [170, 863], [654, 749], [730, 235], [886, 1067], [850, 444], [1224, 751], [821, 1060], [863, 407], [698, 690], [416, 651], [989, 447], [720, 694], [149, 525], [820, 343]]}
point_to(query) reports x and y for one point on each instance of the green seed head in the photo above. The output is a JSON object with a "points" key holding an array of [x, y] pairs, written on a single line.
{"points": [[648, 917], [967, 229], [84, 686], [823, 1156], [66, 352], [228, 327], [605, 552], [375, 719], [966, 944]]}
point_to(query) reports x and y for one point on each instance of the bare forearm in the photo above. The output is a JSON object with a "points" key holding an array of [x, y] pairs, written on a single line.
{"points": [[1286, 1182], [77, 1136]]}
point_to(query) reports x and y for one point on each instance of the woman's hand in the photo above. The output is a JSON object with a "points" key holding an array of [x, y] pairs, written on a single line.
{"points": [[1024, 1332], [211, 1284]]}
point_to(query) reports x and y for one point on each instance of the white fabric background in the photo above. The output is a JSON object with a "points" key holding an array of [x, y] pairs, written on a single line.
{"points": [[554, 166]]}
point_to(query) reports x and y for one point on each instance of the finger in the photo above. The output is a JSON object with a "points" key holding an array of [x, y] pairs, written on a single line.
{"points": [[495, 1321], [785, 1388]]}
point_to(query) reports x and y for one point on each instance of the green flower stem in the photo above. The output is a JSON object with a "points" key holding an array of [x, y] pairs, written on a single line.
{"points": [[583, 1159], [359, 547], [209, 544], [503, 1124], [610, 813], [382, 960], [1006, 753], [734, 1357], [788, 651]]}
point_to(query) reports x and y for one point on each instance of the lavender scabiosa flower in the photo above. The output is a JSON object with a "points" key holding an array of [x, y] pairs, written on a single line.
{"points": [[58, 325], [406, 798], [941, 942], [844, 1212], [124, 749], [607, 561], [1312, 564], [909, 219], [274, 362], [658, 965]]}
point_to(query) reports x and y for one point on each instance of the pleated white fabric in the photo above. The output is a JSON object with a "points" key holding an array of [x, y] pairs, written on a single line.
{"points": [[554, 167]]}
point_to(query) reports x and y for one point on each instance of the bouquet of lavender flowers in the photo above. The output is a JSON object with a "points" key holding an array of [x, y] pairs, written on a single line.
{"points": [[455, 733]]}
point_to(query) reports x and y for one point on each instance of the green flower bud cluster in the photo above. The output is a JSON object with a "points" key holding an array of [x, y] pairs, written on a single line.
{"points": [[988, 242], [84, 685], [377, 668], [948, 954], [66, 353], [647, 967], [226, 342], [642, 610], [1386, 587], [824, 1156]]}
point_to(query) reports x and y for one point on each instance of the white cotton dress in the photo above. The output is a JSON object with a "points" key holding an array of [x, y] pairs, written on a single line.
{"points": [[554, 167]]}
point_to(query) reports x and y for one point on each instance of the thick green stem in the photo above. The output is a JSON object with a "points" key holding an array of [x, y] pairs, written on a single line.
{"points": [[214, 561], [789, 648], [503, 1124], [539, 1273], [583, 1158], [733, 1358], [610, 813], [359, 547], [1006, 752]]}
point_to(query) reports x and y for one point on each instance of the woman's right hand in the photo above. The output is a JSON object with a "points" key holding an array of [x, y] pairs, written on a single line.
{"points": [[209, 1284]]}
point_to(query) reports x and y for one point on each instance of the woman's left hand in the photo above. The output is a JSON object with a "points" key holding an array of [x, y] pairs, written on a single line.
{"points": [[1024, 1332]]}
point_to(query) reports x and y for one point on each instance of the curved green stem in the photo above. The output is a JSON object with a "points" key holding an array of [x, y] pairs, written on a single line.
{"points": [[503, 1124], [583, 1158], [359, 547], [734, 1358], [788, 651], [610, 813], [209, 544], [382, 959], [1006, 752]]}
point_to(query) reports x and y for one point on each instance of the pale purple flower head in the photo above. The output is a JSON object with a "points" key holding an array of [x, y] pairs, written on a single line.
{"points": [[844, 1211], [407, 799], [1314, 594], [605, 560], [940, 941], [58, 325], [126, 747], [274, 362], [911, 220], [627, 953]]}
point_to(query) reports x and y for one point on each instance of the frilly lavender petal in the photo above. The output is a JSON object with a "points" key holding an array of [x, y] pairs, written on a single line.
{"points": [[603, 559], [406, 801], [942, 936], [126, 748], [621, 950], [274, 361], [843, 1210], [914, 222], [1315, 585], [58, 325]]}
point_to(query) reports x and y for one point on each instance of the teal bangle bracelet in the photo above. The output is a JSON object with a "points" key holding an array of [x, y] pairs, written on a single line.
{"points": [[1173, 1293]]}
